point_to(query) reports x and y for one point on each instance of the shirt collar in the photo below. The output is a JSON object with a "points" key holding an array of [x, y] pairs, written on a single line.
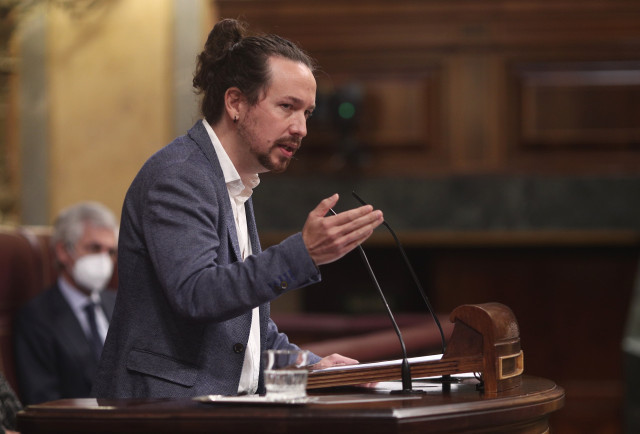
{"points": [[76, 299], [239, 188]]}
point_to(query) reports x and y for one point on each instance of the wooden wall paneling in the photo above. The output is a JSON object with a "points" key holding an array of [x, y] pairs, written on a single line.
{"points": [[475, 120], [334, 25], [587, 105], [472, 46], [396, 122], [582, 115]]}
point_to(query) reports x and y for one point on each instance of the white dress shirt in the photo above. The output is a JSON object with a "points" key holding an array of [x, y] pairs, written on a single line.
{"points": [[240, 191]]}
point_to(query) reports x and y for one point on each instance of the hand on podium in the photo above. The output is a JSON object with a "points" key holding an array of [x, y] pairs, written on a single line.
{"points": [[334, 360], [339, 360]]}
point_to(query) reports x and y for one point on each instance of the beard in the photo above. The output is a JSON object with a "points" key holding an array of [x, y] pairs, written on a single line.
{"points": [[271, 158], [264, 158]]}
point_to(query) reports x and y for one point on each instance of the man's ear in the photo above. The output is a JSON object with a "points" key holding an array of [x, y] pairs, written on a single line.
{"points": [[62, 254], [234, 103]]}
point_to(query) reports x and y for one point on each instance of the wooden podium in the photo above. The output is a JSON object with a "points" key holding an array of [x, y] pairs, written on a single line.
{"points": [[485, 341]]}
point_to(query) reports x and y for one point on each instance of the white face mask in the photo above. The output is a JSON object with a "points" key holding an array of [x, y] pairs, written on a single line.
{"points": [[93, 272]]}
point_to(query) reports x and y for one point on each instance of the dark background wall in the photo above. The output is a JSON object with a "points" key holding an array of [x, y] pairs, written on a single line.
{"points": [[462, 202]]}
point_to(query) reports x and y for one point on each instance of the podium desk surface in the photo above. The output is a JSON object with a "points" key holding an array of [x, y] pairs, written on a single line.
{"points": [[456, 407]]}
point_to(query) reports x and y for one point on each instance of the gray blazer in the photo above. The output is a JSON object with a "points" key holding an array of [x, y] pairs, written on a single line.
{"points": [[183, 311]]}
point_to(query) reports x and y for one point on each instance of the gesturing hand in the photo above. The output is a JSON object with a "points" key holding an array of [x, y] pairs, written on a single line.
{"points": [[329, 238]]}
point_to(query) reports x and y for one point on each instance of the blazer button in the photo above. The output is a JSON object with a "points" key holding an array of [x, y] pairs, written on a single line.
{"points": [[284, 284], [238, 348]]}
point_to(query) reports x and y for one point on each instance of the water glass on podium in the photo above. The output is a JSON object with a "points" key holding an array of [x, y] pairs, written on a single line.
{"points": [[285, 375]]}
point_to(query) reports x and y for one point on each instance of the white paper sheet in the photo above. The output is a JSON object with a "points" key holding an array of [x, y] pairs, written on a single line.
{"points": [[381, 364]]}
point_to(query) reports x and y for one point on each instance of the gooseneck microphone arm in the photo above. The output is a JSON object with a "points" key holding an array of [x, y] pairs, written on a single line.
{"points": [[406, 368], [413, 275]]}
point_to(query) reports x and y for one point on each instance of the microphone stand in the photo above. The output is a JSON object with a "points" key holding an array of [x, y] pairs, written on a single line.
{"points": [[445, 379], [406, 368], [413, 275]]}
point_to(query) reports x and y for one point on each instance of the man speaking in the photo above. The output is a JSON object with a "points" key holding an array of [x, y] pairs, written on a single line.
{"points": [[192, 311]]}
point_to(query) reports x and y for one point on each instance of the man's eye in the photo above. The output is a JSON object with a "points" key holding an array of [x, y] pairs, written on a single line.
{"points": [[94, 248], [308, 114]]}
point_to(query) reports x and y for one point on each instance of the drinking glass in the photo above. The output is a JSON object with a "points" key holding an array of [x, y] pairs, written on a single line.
{"points": [[285, 375]]}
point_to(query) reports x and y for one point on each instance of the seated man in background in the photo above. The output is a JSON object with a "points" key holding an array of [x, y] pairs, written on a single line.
{"points": [[59, 334]]}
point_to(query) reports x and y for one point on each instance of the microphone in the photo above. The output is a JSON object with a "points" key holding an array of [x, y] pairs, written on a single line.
{"points": [[413, 274], [406, 368]]}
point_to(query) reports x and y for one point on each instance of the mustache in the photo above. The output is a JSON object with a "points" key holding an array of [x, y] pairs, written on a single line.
{"points": [[290, 141]]}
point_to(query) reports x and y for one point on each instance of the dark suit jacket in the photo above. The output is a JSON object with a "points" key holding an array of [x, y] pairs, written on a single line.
{"points": [[54, 359], [183, 312]]}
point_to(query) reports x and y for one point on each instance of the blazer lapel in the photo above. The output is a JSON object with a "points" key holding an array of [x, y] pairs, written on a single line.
{"points": [[228, 220], [199, 135], [265, 311], [252, 228], [107, 303]]}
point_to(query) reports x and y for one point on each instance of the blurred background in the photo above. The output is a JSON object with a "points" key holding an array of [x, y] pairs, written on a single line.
{"points": [[500, 138]]}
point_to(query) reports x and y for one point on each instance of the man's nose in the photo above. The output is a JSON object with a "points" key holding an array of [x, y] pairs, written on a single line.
{"points": [[298, 125]]}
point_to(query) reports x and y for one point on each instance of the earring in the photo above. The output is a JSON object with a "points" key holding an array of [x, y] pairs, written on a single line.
{"points": [[235, 119]]}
